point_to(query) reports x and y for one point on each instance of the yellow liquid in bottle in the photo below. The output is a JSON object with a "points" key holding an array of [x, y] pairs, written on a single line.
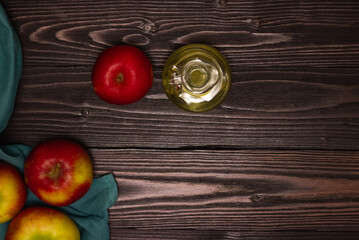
{"points": [[196, 77]]}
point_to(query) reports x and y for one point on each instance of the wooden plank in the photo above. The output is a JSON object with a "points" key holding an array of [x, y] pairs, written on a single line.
{"points": [[135, 234], [249, 33], [293, 109], [225, 190]]}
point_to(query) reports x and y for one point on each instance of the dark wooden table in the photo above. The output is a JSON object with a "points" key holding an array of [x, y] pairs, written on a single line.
{"points": [[279, 159]]}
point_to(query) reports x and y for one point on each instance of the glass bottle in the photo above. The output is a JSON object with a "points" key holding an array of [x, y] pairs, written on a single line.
{"points": [[196, 77]]}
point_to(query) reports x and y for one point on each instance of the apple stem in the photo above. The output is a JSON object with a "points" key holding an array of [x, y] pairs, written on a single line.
{"points": [[57, 169], [119, 78]]}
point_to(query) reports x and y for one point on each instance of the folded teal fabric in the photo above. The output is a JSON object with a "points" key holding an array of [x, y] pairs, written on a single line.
{"points": [[90, 212], [10, 67]]}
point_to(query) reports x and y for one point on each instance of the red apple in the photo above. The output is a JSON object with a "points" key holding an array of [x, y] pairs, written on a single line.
{"points": [[42, 223], [122, 75], [59, 172], [12, 191]]}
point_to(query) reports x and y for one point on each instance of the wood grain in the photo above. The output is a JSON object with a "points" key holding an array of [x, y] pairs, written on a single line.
{"points": [[277, 160], [249, 33], [290, 109], [233, 190], [131, 234]]}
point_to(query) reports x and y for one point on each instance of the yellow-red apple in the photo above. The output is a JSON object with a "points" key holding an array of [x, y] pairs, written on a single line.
{"points": [[59, 172], [42, 223], [12, 191]]}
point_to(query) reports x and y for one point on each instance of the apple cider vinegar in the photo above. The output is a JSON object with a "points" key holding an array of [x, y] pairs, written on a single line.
{"points": [[196, 77]]}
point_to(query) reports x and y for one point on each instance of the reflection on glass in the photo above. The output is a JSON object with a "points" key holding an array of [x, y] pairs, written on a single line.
{"points": [[196, 77]]}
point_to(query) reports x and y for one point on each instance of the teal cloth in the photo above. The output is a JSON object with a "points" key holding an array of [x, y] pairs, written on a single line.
{"points": [[10, 68], [90, 213]]}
